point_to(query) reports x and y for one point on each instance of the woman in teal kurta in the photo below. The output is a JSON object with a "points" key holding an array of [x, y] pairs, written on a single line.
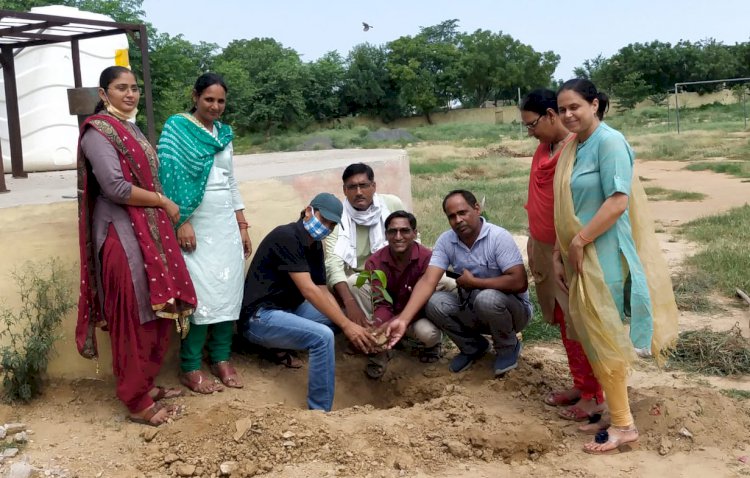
{"points": [[603, 167], [599, 203]]}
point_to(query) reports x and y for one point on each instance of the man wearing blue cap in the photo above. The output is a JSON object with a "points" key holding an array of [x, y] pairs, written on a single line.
{"points": [[287, 304]]}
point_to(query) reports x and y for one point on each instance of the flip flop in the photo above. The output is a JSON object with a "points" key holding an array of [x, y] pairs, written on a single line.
{"points": [[226, 373], [163, 393], [560, 399]]}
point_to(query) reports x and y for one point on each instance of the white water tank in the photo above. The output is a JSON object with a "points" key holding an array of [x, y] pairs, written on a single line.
{"points": [[43, 75]]}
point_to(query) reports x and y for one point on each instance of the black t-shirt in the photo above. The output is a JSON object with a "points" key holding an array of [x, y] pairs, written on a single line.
{"points": [[288, 248]]}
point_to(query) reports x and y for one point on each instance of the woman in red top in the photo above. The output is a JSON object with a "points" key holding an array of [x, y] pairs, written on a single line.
{"points": [[539, 114]]}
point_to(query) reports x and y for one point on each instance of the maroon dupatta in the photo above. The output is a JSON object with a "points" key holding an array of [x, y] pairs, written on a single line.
{"points": [[171, 291]]}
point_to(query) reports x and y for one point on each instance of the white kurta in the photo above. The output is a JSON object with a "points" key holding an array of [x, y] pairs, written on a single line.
{"points": [[217, 264]]}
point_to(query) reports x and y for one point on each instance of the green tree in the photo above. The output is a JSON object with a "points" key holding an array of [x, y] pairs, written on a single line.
{"points": [[368, 85], [269, 82], [325, 77], [426, 67], [630, 90], [175, 65]]}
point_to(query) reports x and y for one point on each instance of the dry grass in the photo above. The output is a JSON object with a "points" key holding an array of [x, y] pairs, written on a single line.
{"points": [[712, 353]]}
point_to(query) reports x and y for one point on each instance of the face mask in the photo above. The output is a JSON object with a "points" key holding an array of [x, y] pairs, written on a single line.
{"points": [[317, 230], [119, 114]]}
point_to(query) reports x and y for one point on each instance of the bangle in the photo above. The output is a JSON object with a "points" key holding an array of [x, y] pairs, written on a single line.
{"points": [[159, 197], [584, 238], [242, 225]]}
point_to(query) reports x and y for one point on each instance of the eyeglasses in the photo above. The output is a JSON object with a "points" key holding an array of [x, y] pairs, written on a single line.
{"points": [[356, 186], [401, 230], [135, 89], [533, 124]]}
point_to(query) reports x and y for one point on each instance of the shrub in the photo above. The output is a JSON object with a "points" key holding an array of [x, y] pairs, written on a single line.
{"points": [[29, 334]]}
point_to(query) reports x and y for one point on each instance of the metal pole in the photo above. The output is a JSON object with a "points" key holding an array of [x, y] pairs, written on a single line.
{"points": [[677, 107], [143, 45], [520, 121], [14, 117], [76, 54], [3, 188], [668, 125], [744, 105]]}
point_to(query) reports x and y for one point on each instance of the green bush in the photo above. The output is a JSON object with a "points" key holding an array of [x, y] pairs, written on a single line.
{"points": [[29, 334]]}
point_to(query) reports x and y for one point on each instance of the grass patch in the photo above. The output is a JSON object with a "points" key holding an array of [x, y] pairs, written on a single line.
{"points": [[538, 330], [690, 291], [712, 353], [433, 168], [735, 168], [724, 260], [656, 193], [466, 134], [736, 393]]}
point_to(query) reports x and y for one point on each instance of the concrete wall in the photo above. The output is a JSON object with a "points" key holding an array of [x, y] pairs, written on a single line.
{"points": [[39, 221], [492, 115]]}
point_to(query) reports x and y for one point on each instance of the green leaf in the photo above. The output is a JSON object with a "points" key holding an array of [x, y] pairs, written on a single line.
{"points": [[386, 296], [380, 275], [362, 278]]}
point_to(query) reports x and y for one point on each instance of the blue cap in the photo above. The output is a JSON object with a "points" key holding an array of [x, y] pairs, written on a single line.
{"points": [[329, 206]]}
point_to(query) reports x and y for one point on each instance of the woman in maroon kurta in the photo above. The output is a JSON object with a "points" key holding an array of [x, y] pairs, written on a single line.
{"points": [[133, 277], [539, 115]]}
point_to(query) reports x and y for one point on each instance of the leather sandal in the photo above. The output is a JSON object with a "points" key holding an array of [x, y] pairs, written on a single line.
{"points": [[149, 414], [197, 381], [287, 358], [561, 398], [576, 413], [226, 373], [377, 364], [163, 393]]}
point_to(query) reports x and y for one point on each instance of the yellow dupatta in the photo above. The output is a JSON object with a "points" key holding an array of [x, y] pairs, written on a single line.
{"points": [[594, 317]]}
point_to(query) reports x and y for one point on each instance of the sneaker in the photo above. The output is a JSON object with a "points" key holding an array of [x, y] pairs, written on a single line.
{"points": [[509, 361], [463, 361]]}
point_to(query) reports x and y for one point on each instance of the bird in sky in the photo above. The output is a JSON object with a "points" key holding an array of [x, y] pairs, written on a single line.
{"points": [[366, 26]]}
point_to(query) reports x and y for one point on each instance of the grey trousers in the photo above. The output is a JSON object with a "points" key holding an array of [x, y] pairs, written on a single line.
{"points": [[487, 311]]}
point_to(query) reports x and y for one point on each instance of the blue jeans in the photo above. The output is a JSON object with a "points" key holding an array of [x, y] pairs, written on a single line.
{"points": [[303, 328]]}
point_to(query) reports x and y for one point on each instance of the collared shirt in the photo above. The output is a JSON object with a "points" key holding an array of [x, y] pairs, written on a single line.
{"points": [[493, 253], [336, 269], [288, 248], [400, 280]]}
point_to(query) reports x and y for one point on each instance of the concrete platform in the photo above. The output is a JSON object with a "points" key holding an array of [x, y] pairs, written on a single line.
{"points": [[39, 220]]}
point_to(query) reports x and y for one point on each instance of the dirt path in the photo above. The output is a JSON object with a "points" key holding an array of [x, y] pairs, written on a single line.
{"points": [[420, 421], [722, 191]]}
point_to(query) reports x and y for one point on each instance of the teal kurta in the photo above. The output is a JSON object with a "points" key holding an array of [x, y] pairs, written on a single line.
{"points": [[603, 167]]}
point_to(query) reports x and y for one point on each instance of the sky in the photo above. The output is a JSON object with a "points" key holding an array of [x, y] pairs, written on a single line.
{"points": [[575, 30]]}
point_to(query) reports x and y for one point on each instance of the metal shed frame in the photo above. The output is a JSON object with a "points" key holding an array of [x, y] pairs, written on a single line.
{"points": [[19, 30]]}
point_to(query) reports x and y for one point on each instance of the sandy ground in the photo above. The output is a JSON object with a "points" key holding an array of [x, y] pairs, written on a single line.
{"points": [[420, 420]]}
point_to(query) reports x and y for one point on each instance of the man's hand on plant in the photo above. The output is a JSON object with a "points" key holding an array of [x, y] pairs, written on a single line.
{"points": [[395, 330], [360, 337]]}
